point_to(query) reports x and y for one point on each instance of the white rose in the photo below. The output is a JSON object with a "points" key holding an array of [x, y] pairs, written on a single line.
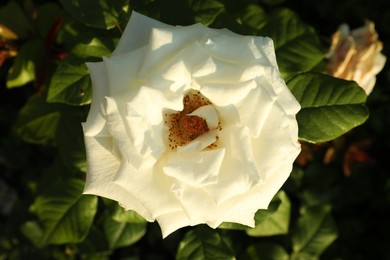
{"points": [[356, 55], [220, 156]]}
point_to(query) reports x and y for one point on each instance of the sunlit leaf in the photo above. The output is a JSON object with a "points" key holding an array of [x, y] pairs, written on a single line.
{"points": [[297, 46], [65, 213], [103, 14], [272, 2], [203, 243], [120, 234], [71, 83], [33, 232], [130, 216], [266, 251], [23, 68], [12, 16], [206, 11], [254, 17], [70, 140], [37, 121], [94, 244], [330, 106], [273, 222], [314, 232]]}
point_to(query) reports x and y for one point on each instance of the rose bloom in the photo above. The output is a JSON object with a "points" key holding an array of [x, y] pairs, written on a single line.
{"points": [[356, 55], [189, 125]]}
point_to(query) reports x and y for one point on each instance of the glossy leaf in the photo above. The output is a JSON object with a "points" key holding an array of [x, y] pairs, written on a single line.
{"points": [[266, 251], [47, 14], [272, 2], [120, 234], [103, 14], [71, 83], [65, 213], [203, 243], [254, 17], [314, 232], [297, 46], [206, 11], [94, 244], [37, 121], [273, 222], [330, 107], [260, 216], [33, 232], [12, 16], [24, 66], [72, 153], [130, 216]]}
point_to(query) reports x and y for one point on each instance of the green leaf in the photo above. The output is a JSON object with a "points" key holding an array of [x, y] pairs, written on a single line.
{"points": [[330, 106], [100, 14], [260, 215], [23, 68], [70, 140], [33, 232], [120, 234], [37, 121], [266, 251], [46, 17], [232, 226], [297, 46], [130, 216], [94, 244], [65, 213], [254, 17], [206, 12], [12, 16], [71, 83], [274, 222], [203, 243], [272, 2], [314, 232]]}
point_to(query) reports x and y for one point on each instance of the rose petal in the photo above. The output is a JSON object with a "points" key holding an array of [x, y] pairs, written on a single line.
{"points": [[191, 198], [199, 143], [136, 33], [277, 145], [209, 114], [214, 71], [238, 171], [168, 226], [244, 104], [195, 168], [102, 167], [95, 123], [150, 187], [123, 143], [241, 49], [122, 73]]}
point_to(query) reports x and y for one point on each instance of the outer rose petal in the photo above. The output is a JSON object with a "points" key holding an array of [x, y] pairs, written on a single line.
{"points": [[251, 119], [102, 169], [96, 122]]}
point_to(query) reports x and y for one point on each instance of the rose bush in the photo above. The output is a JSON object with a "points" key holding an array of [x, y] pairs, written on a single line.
{"points": [[356, 55], [189, 125]]}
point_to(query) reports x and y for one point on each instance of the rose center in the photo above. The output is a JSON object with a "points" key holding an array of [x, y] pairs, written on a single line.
{"points": [[192, 126], [198, 117]]}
